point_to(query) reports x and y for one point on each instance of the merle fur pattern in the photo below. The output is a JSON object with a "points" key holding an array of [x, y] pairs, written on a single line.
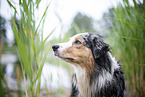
{"points": [[113, 88]]}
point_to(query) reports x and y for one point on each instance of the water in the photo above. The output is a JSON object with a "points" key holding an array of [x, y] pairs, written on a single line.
{"points": [[54, 77], [8, 58]]}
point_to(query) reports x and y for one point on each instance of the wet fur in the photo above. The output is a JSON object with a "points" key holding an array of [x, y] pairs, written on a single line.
{"points": [[96, 72], [107, 78]]}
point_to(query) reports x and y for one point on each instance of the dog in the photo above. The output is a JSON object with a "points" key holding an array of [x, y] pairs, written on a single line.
{"points": [[96, 72]]}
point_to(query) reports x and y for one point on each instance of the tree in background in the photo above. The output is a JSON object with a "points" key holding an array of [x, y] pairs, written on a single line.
{"points": [[2, 29], [81, 23]]}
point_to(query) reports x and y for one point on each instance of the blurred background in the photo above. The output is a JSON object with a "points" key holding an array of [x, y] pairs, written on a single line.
{"points": [[28, 29]]}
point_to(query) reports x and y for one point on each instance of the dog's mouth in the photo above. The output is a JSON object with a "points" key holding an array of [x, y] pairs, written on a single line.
{"points": [[69, 58], [64, 58]]}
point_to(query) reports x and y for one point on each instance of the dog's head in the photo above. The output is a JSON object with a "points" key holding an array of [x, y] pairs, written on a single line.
{"points": [[81, 48]]}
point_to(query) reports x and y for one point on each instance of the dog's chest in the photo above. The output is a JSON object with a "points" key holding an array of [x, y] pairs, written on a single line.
{"points": [[83, 83]]}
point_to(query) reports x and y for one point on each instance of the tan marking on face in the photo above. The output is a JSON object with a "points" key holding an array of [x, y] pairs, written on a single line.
{"points": [[81, 54], [78, 38]]}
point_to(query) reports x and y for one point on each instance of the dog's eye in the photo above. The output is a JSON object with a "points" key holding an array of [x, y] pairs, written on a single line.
{"points": [[77, 42]]}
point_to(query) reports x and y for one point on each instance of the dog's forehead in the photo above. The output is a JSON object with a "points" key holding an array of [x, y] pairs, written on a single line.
{"points": [[86, 37], [78, 36]]}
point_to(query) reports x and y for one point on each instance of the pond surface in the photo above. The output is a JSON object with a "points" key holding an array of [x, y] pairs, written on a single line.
{"points": [[54, 77]]}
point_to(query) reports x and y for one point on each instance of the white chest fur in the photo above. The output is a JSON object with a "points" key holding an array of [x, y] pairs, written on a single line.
{"points": [[83, 82]]}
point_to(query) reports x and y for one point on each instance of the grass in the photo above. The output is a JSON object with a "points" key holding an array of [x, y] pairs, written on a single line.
{"points": [[31, 47], [129, 43]]}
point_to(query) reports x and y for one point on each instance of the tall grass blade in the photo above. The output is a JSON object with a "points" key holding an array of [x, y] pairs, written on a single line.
{"points": [[42, 18]]}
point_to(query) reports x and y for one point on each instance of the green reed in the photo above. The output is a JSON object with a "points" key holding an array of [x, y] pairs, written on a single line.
{"points": [[32, 49], [129, 43]]}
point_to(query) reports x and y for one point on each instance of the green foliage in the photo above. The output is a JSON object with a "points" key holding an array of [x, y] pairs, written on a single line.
{"points": [[128, 34], [31, 46], [2, 38], [2, 80]]}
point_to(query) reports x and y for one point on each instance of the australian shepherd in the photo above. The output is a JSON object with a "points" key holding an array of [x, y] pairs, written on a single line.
{"points": [[96, 72]]}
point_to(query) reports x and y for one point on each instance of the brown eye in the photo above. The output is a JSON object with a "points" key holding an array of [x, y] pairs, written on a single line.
{"points": [[77, 42]]}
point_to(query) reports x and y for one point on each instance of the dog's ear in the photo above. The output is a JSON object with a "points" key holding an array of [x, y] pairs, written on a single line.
{"points": [[99, 48]]}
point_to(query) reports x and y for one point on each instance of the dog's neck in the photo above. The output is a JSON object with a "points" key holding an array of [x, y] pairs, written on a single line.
{"points": [[88, 85], [83, 81], [83, 73]]}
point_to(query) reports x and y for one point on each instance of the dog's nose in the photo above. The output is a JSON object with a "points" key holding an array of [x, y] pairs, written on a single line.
{"points": [[55, 47]]}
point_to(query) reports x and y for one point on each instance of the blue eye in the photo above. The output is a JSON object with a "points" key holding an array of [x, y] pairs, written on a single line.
{"points": [[77, 42]]}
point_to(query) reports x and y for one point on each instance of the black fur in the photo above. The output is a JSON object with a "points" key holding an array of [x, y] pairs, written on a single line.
{"points": [[75, 90], [114, 88], [96, 44]]}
